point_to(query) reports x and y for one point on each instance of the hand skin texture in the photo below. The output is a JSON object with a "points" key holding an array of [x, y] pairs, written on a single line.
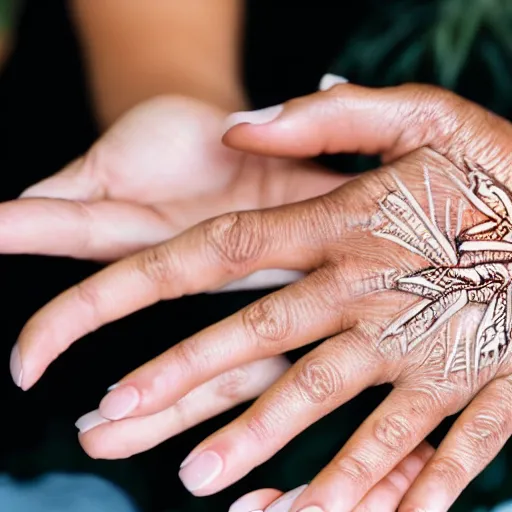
{"points": [[384, 497], [159, 170], [407, 277]]}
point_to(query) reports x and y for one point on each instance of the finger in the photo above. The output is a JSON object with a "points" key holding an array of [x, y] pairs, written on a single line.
{"points": [[205, 257], [390, 433], [78, 181], [328, 376], [390, 121], [384, 497], [104, 230], [474, 440], [287, 319], [388, 493], [255, 501], [122, 439]]}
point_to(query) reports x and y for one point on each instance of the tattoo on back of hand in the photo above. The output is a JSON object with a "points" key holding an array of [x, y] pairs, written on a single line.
{"points": [[466, 266]]}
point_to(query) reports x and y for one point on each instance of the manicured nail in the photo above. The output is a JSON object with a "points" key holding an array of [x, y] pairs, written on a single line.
{"points": [[201, 470], [312, 509], [15, 365], [329, 80], [120, 402], [265, 115], [285, 502], [89, 421], [248, 503]]}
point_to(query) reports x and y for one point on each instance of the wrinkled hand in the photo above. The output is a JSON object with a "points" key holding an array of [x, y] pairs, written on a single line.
{"points": [[408, 276], [159, 170]]}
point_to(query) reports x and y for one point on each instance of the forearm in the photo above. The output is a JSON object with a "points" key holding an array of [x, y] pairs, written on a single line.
{"points": [[133, 51]]}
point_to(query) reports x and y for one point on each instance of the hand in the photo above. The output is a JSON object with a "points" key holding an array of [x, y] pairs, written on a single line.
{"points": [[158, 171], [384, 497], [408, 276]]}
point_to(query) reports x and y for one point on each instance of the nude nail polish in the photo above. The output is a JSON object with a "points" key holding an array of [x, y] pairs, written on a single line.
{"points": [[262, 116], [119, 402], [285, 502], [248, 503], [89, 421], [201, 470], [15, 365], [329, 80]]}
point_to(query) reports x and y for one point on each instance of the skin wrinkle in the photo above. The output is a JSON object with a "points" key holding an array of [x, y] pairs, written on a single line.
{"points": [[453, 273], [236, 240], [319, 381], [269, 321]]}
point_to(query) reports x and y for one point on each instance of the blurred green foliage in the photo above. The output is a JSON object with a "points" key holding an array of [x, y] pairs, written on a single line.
{"points": [[465, 46], [8, 10]]}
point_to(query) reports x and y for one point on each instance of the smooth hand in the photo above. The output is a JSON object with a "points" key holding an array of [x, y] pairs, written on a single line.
{"points": [[159, 170], [408, 276]]}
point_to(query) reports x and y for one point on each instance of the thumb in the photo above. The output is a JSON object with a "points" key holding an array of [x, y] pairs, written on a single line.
{"points": [[74, 182], [390, 121]]}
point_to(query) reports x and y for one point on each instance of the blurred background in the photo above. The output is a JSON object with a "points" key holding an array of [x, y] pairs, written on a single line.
{"points": [[46, 121]]}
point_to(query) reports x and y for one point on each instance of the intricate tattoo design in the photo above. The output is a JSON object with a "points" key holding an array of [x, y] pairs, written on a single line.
{"points": [[471, 266]]}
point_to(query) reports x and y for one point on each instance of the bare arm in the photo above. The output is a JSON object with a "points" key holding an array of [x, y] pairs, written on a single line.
{"points": [[135, 50]]}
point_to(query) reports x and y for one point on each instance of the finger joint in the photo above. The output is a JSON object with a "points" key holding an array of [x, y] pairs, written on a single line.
{"points": [[268, 322], [236, 241], [318, 381]]}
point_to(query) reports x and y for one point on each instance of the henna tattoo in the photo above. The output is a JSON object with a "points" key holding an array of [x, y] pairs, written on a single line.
{"points": [[471, 266]]}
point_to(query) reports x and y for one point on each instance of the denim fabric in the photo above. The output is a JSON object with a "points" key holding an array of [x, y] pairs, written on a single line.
{"points": [[55, 492]]}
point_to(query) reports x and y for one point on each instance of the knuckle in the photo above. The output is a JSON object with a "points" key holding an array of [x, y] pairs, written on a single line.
{"points": [[192, 359], [449, 470], [264, 425], [318, 381], [486, 432], [357, 471], [233, 384], [235, 239], [158, 264], [433, 110], [395, 431], [268, 321]]}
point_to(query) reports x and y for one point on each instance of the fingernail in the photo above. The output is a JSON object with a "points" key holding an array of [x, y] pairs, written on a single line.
{"points": [[247, 503], [119, 402], [285, 502], [114, 386], [265, 115], [15, 365], [201, 470], [329, 80], [89, 421], [312, 509]]}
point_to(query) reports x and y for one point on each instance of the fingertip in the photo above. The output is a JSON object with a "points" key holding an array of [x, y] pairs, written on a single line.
{"points": [[255, 501], [329, 80], [258, 117], [16, 367]]}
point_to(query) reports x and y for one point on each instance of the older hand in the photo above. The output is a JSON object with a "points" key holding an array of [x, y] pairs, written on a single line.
{"points": [[409, 278]]}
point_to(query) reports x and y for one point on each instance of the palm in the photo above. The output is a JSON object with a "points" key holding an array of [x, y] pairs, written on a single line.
{"points": [[161, 169]]}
